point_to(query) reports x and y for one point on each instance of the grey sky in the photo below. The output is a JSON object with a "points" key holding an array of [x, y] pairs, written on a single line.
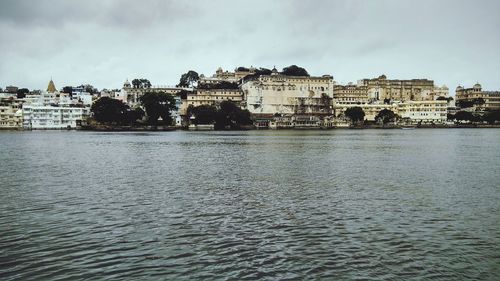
{"points": [[104, 42]]}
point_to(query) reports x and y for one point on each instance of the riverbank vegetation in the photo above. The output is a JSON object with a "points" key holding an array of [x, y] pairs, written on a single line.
{"points": [[226, 116]]}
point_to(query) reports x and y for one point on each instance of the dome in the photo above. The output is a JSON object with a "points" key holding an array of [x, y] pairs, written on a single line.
{"points": [[126, 84], [382, 76], [444, 87], [460, 88], [477, 86]]}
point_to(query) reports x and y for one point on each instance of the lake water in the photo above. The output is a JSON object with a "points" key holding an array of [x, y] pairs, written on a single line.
{"points": [[290, 205]]}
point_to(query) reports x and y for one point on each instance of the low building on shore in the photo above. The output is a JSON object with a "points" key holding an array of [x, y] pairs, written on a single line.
{"points": [[424, 112], [414, 112]]}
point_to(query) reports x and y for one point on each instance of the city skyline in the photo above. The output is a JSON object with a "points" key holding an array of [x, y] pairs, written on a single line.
{"points": [[450, 42]]}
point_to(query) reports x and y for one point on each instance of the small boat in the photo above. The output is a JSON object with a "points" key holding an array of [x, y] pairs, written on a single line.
{"points": [[408, 127]]}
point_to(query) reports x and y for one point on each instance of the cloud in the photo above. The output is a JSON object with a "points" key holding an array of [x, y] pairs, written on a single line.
{"points": [[105, 42]]}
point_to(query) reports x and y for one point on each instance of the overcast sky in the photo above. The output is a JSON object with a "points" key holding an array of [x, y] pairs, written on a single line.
{"points": [[105, 42]]}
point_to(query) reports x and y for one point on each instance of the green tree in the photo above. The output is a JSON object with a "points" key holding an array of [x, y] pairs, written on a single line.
{"points": [[464, 116], [294, 70], [136, 83], [132, 115], [109, 110], [188, 79], [219, 85], [203, 114], [231, 116], [465, 103], [385, 116], [158, 104], [141, 83], [492, 116], [21, 93], [67, 89], [258, 72], [356, 114]]}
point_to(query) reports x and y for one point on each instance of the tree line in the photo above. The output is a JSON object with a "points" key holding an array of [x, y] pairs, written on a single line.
{"points": [[227, 115], [156, 104]]}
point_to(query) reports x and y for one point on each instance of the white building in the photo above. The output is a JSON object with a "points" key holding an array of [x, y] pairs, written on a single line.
{"points": [[277, 93], [53, 110]]}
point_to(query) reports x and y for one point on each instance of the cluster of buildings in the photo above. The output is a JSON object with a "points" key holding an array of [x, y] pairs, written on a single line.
{"points": [[48, 109], [274, 100]]}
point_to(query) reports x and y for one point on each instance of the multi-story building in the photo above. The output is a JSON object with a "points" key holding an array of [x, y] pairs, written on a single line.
{"points": [[277, 93], [412, 111], [475, 96], [381, 88], [370, 110], [424, 112], [211, 97], [53, 110], [131, 95], [350, 94], [11, 116]]}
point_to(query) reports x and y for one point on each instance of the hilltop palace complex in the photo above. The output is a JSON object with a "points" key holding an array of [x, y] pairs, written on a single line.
{"points": [[274, 100]]}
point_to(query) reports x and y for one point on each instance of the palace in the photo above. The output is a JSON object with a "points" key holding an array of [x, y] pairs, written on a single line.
{"points": [[277, 93], [475, 96], [381, 88]]}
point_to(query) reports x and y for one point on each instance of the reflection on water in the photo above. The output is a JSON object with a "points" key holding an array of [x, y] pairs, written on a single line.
{"points": [[342, 204]]}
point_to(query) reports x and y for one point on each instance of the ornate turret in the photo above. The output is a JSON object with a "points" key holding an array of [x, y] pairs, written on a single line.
{"points": [[477, 86], [51, 88], [126, 84], [274, 71]]}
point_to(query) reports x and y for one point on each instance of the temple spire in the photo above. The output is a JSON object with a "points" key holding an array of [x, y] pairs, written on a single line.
{"points": [[51, 88]]}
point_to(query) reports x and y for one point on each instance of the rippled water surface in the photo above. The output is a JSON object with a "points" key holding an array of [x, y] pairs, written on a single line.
{"points": [[288, 205]]}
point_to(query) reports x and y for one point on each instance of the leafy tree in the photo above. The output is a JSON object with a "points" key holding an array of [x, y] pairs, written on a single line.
{"points": [[158, 104], [258, 72], [141, 83], [450, 116], [109, 110], [464, 116], [183, 94], [21, 93], [67, 89], [219, 85], [465, 103], [136, 83], [188, 79], [231, 116], [356, 114], [241, 68], [294, 70], [492, 116], [203, 114], [386, 116], [441, 98], [132, 115]]}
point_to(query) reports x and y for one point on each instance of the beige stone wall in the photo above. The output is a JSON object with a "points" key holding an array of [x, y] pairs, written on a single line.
{"points": [[284, 94]]}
